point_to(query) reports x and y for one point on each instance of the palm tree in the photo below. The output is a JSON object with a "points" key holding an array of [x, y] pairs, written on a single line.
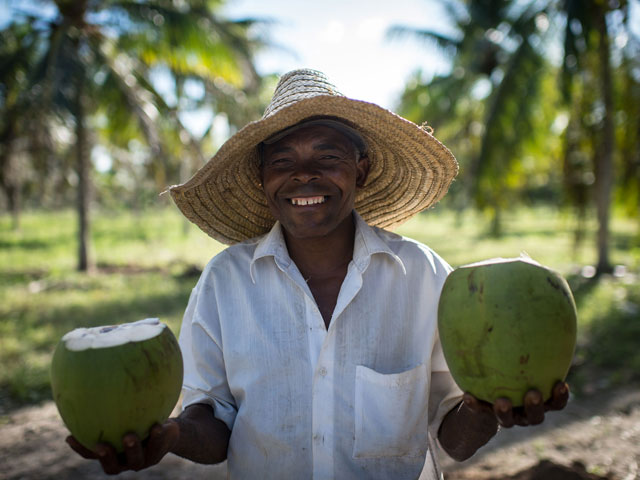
{"points": [[99, 57], [587, 32], [629, 146], [503, 41], [493, 46], [18, 53]]}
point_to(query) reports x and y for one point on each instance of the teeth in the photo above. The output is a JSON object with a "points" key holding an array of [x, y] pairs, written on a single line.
{"points": [[307, 200]]}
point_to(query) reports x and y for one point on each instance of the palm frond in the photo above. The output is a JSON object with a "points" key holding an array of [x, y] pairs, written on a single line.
{"points": [[430, 37]]}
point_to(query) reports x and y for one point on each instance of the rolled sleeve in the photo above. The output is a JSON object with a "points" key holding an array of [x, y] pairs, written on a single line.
{"points": [[205, 379]]}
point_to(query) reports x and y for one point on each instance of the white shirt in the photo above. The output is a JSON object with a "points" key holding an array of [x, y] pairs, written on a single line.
{"points": [[355, 401]]}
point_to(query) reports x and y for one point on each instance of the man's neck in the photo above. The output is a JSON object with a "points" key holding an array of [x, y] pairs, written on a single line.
{"points": [[322, 256], [323, 262]]}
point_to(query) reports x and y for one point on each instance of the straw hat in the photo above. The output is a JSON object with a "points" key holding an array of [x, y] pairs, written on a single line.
{"points": [[409, 169]]}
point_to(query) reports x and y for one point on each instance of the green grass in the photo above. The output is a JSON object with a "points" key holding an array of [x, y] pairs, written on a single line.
{"points": [[147, 267], [148, 264]]}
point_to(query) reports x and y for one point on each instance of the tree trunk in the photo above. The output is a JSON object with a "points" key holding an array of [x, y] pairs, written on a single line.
{"points": [[83, 169], [14, 203], [10, 176], [604, 161]]}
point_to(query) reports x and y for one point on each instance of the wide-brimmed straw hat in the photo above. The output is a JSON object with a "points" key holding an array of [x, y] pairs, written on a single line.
{"points": [[410, 170]]}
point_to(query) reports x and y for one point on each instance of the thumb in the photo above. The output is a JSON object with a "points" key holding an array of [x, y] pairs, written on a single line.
{"points": [[162, 438]]}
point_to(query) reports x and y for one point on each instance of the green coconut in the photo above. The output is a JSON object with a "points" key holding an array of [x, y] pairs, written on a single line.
{"points": [[507, 326], [112, 380]]}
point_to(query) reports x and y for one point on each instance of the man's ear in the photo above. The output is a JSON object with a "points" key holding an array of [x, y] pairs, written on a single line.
{"points": [[362, 166]]}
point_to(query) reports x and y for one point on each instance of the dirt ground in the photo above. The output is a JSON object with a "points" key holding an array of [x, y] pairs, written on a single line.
{"points": [[593, 438]]}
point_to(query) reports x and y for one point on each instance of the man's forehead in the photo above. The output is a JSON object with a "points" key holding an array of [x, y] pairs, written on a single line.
{"points": [[334, 125], [317, 137]]}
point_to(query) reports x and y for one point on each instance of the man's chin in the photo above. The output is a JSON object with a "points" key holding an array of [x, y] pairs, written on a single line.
{"points": [[313, 229]]}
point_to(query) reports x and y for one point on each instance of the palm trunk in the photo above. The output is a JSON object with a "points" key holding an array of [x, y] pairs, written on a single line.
{"points": [[10, 177], [604, 161], [83, 167]]}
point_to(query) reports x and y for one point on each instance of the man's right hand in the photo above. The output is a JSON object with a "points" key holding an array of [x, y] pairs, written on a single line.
{"points": [[137, 454]]}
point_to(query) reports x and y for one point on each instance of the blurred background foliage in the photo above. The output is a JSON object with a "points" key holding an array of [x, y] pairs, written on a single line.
{"points": [[541, 106], [541, 103], [92, 81]]}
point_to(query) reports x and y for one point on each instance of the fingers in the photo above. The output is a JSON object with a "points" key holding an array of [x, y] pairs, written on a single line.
{"points": [[131, 459], [80, 449], [472, 403], [133, 452], [108, 458], [161, 439], [503, 410], [136, 456], [156, 444], [534, 407], [559, 396], [532, 411]]}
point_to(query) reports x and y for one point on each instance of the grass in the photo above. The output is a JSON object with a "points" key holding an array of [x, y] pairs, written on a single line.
{"points": [[149, 263]]}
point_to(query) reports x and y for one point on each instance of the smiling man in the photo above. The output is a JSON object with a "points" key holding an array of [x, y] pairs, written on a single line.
{"points": [[310, 177], [310, 344]]}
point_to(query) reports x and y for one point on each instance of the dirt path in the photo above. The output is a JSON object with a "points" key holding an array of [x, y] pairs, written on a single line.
{"points": [[601, 432]]}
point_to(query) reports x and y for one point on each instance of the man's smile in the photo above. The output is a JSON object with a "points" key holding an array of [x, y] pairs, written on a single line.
{"points": [[307, 200]]}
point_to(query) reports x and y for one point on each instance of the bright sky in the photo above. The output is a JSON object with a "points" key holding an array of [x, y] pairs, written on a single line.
{"points": [[347, 41]]}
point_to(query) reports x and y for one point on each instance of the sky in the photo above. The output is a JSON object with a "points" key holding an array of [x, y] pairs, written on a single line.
{"points": [[347, 41]]}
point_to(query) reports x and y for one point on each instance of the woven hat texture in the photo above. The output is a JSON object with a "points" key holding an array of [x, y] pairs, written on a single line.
{"points": [[410, 170]]}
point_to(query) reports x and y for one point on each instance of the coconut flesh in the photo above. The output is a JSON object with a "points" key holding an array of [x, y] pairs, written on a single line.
{"points": [[111, 380], [507, 326]]}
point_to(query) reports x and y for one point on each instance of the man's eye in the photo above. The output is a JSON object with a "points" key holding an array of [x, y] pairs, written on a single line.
{"points": [[279, 161]]}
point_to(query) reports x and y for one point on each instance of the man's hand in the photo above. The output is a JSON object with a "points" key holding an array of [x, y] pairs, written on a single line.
{"points": [[531, 413], [473, 422], [196, 434], [137, 455]]}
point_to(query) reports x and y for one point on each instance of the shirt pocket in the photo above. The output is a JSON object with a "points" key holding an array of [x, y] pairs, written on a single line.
{"points": [[391, 413]]}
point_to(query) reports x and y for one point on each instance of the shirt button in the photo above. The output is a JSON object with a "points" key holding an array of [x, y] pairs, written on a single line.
{"points": [[322, 371]]}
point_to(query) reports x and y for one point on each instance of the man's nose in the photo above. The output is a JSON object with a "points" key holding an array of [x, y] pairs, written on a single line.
{"points": [[305, 173]]}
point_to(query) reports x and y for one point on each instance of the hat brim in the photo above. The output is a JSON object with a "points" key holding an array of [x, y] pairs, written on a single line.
{"points": [[410, 170]]}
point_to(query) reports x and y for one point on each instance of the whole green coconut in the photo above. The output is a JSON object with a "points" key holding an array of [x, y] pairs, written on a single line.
{"points": [[109, 381], [507, 326]]}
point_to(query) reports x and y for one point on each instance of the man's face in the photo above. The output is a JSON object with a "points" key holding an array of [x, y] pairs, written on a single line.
{"points": [[310, 179]]}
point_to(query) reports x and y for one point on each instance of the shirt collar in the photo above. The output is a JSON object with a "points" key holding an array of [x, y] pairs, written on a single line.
{"points": [[367, 242], [272, 245]]}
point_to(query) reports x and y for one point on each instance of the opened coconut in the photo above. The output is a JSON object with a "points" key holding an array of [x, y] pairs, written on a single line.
{"points": [[112, 380], [507, 326]]}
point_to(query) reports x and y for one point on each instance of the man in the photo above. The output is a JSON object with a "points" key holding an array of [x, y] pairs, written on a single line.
{"points": [[310, 346]]}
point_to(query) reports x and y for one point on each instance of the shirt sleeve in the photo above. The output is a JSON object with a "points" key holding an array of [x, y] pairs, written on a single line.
{"points": [[205, 379]]}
